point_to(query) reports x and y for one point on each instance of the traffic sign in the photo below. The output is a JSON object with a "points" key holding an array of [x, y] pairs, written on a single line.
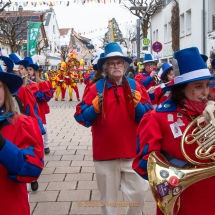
{"points": [[157, 47], [146, 41]]}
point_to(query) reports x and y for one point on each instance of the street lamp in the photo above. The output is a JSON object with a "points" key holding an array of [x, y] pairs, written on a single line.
{"points": [[138, 27]]}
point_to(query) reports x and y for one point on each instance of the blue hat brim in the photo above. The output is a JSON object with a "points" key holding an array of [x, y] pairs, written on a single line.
{"points": [[14, 82], [102, 60], [95, 67], [25, 63], [148, 61], [34, 66], [8, 62], [169, 87], [165, 72]]}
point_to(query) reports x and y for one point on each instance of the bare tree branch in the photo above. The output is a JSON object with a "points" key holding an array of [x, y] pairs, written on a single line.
{"points": [[4, 5], [145, 16], [13, 29]]}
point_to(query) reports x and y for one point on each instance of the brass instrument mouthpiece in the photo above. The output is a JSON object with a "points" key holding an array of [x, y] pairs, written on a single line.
{"points": [[204, 98]]}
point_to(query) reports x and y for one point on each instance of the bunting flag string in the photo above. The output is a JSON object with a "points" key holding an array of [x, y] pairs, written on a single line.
{"points": [[59, 3]]}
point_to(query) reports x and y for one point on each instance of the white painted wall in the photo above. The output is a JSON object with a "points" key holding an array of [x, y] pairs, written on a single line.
{"points": [[53, 35], [191, 31]]}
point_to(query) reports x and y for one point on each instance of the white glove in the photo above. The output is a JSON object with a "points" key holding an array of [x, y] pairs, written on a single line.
{"points": [[61, 80], [151, 90], [209, 112], [66, 76]]}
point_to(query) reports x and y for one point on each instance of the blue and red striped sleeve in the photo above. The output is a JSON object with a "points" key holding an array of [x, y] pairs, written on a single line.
{"points": [[22, 154], [45, 93], [85, 113]]}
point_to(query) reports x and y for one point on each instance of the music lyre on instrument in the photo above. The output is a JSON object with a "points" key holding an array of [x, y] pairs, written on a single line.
{"points": [[168, 197]]}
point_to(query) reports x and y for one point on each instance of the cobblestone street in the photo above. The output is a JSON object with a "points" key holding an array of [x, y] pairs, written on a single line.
{"points": [[68, 183]]}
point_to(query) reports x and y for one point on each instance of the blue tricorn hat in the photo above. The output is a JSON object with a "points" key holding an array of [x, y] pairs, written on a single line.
{"points": [[166, 67], [13, 82], [148, 58], [31, 63], [8, 63], [112, 50], [191, 67], [95, 66], [15, 58]]}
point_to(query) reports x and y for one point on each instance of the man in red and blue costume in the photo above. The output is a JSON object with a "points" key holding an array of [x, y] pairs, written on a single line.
{"points": [[146, 78], [113, 107], [21, 150]]}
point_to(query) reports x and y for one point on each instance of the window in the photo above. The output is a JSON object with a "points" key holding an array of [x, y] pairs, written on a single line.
{"points": [[182, 25], [188, 22], [153, 36], [169, 32], [54, 29], [156, 35], [78, 49], [165, 34], [213, 22]]}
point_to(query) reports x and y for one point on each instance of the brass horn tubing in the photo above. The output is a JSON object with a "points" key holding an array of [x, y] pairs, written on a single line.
{"points": [[209, 141], [203, 155], [183, 141], [196, 136], [206, 154], [155, 165]]}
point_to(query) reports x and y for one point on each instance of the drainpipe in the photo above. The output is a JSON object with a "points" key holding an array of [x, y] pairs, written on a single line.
{"points": [[203, 28]]}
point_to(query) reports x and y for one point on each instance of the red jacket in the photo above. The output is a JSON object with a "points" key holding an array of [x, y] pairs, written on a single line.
{"points": [[30, 105], [159, 96], [114, 136], [44, 96], [154, 134], [145, 79], [21, 162]]}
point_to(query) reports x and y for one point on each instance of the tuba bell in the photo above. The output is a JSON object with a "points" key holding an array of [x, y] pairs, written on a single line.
{"points": [[165, 194]]}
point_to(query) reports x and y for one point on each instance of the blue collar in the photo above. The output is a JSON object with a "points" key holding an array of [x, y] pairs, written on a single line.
{"points": [[111, 84], [5, 116], [167, 106]]}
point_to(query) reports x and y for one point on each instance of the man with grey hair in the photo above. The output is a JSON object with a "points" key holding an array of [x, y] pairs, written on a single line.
{"points": [[113, 107]]}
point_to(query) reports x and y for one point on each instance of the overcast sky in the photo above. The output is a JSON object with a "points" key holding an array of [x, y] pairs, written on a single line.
{"points": [[91, 16]]}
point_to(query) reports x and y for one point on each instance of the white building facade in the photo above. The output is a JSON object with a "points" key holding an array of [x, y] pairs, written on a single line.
{"points": [[53, 36], [197, 27]]}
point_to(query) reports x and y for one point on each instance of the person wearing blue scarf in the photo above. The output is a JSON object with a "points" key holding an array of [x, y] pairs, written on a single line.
{"points": [[21, 150]]}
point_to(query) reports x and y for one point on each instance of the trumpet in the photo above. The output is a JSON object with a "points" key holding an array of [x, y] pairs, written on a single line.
{"points": [[157, 79]]}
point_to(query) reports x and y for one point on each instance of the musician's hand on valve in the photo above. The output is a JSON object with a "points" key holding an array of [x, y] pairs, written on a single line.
{"points": [[208, 112], [152, 74]]}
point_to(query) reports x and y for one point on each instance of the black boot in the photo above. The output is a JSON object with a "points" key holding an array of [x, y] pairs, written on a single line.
{"points": [[47, 150], [34, 185]]}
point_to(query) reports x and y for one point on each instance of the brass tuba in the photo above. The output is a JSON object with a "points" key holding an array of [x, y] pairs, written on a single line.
{"points": [[168, 197]]}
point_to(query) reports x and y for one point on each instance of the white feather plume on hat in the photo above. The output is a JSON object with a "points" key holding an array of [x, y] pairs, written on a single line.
{"points": [[15, 67]]}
